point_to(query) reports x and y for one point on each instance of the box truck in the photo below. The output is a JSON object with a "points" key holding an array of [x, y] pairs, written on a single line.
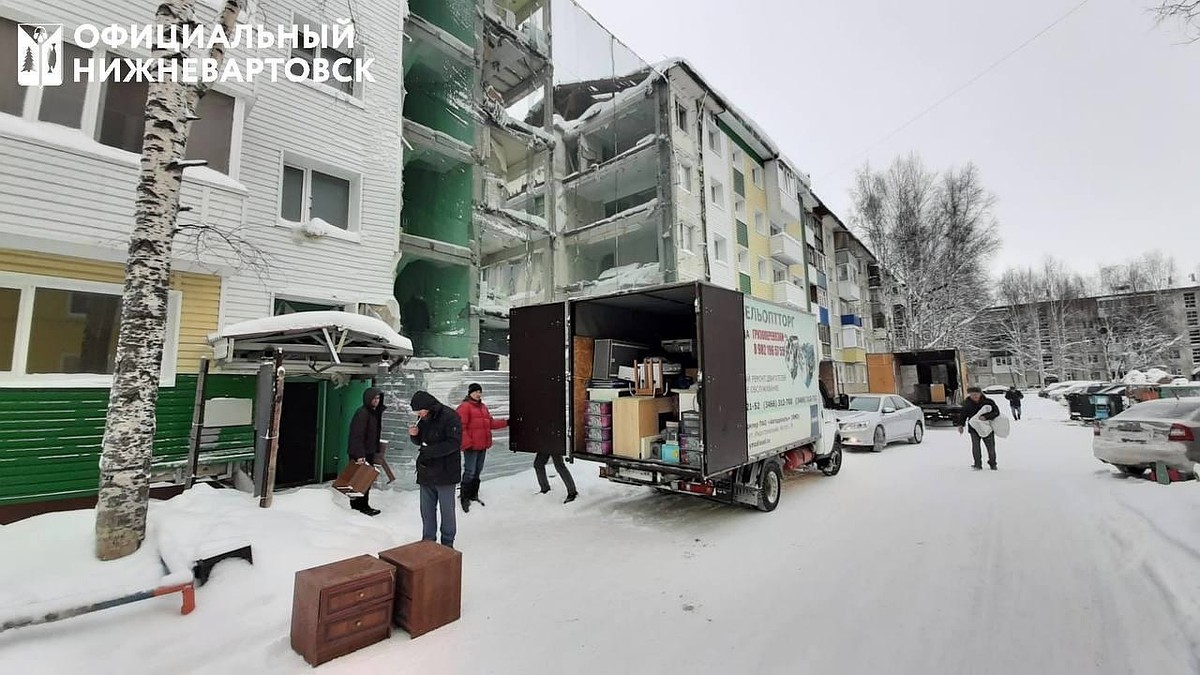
{"points": [[720, 398], [935, 380]]}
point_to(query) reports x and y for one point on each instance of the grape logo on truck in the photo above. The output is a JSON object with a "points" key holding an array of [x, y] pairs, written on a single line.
{"points": [[781, 387]]}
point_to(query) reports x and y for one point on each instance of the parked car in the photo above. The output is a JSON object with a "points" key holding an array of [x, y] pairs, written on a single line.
{"points": [[874, 420], [1049, 389], [1060, 395], [995, 389], [1174, 390], [1165, 430]]}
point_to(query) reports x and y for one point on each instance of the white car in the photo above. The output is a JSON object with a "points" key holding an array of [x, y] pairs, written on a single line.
{"points": [[874, 420], [996, 390]]}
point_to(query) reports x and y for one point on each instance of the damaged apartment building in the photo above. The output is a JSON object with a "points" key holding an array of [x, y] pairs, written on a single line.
{"points": [[475, 169]]}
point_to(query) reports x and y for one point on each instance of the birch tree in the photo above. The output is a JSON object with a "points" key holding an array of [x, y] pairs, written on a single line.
{"points": [[935, 234], [130, 423]]}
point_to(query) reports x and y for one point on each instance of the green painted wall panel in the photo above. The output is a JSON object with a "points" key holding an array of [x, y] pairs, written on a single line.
{"points": [[438, 205], [434, 306], [456, 17], [441, 99], [50, 439]]}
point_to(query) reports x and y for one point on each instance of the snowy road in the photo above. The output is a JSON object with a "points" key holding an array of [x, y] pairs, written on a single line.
{"points": [[907, 562]]}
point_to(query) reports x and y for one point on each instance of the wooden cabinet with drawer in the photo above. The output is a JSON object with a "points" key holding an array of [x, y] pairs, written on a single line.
{"points": [[342, 607], [428, 586]]}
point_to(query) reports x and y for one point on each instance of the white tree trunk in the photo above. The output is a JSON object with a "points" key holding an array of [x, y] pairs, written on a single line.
{"points": [[128, 445]]}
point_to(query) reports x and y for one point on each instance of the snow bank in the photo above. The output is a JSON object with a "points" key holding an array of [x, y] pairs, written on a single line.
{"points": [[317, 228], [1151, 376]]}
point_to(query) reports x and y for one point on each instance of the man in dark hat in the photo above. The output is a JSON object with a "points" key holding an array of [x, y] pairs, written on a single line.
{"points": [[979, 404], [363, 445], [438, 432]]}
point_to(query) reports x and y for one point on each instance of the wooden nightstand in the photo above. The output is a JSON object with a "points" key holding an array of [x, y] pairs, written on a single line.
{"points": [[342, 607], [428, 586]]}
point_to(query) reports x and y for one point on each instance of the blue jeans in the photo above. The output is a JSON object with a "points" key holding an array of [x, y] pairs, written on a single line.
{"points": [[436, 498], [472, 464]]}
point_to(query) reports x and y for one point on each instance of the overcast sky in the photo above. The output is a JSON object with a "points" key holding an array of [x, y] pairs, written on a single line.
{"points": [[1089, 137]]}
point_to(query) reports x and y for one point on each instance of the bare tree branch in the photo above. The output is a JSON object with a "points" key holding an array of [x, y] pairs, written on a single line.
{"points": [[1187, 13]]}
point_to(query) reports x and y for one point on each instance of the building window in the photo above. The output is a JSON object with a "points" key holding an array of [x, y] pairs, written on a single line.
{"points": [[308, 194], [687, 236], [721, 249], [760, 224], [685, 177], [775, 228], [123, 123], [744, 261], [319, 52], [736, 157], [12, 95], [681, 117], [764, 270], [714, 140], [717, 194], [1189, 300], [780, 275], [66, 331], [739, 208], [64, 104], [756, 175]]}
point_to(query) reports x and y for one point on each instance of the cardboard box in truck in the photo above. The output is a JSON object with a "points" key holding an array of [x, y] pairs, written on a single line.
{"points": [[748, 367]]}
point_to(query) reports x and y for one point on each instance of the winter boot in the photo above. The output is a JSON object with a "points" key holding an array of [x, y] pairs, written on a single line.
{"points": [[464, 497], [475, 492], [571, 497]]}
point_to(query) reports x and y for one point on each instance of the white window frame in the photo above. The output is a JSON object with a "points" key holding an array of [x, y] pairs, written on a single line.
{"points": [[687, 238], [743, 260], [779, 269], [89, 126], [685, 169], [682, 118], [28, 284], [353, 231], [756, 176], [764, 271], [356, 97], [721, 252], [737, 158], [716, 143], [739, 208], [760, 223], [717, 194]]}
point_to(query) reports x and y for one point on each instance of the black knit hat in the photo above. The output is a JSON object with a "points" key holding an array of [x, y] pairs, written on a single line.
{"points": [[974, 390], [475, 387]]}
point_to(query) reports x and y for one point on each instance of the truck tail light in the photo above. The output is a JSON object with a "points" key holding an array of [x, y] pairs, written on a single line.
{"points": [[698, 488], [1181, 433], [1096, 430]]}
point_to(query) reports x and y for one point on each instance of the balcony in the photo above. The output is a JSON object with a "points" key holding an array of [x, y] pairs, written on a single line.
{"points": [[824, 317], [852, 320], [787, 249], [790, 294], [853, 337], [848, 287], [744, 283], [743, 234]]}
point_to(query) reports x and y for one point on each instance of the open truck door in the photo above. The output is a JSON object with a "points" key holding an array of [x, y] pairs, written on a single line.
{"points": [[538, 353], [722, 346]]}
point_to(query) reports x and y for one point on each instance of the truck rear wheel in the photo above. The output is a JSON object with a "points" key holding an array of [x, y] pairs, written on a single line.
{"points": [[770, 486], [831, 465]]}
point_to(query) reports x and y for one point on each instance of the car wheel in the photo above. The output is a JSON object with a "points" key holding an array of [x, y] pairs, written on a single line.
{"points": [[770, 486], [918, 434], [1131, 470], [833, 464], [880, 440]]}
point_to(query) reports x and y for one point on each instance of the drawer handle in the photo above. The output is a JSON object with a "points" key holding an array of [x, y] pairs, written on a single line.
{"points": [[358, 624], [362, 594]]}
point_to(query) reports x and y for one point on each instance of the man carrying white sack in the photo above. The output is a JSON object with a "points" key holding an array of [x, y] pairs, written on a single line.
{"points": [[982, 416]]}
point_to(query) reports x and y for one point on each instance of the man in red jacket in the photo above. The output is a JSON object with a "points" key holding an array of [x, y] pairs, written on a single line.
{"points": [[477, 427]]}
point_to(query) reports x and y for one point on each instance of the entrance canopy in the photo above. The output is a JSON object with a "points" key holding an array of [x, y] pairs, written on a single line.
{"points": [[323, 342]]}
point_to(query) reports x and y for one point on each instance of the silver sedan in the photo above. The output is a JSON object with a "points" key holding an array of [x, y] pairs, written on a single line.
{"points": [[1163, 430], [874, 420]]}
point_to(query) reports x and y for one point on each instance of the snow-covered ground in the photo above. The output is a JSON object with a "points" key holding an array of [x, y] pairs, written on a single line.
{"points": [[907, 562]]}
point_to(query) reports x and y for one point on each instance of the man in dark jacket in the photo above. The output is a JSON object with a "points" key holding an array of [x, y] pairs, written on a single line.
{"points": [[363, 445], [986, 408], [1014, 397], [438, 433]]}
